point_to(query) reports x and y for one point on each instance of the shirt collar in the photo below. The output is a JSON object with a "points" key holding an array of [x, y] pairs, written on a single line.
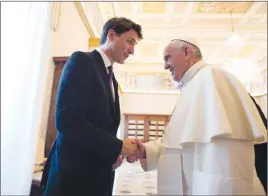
{"points": [[105, 58], [190, 73]]}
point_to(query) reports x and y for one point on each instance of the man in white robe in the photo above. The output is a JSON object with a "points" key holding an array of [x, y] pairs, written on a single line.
{"points": [[207, 147]]}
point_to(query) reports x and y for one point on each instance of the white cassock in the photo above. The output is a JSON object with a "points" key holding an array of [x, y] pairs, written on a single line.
{"points": [[207, 148]]}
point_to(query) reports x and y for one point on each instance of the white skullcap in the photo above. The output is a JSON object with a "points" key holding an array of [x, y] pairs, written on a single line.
{"points": [[189, 40]]}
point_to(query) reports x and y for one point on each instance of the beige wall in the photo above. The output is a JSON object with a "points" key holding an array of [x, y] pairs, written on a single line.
{"points": [[71, 34], [142, 103], [262, 101]]}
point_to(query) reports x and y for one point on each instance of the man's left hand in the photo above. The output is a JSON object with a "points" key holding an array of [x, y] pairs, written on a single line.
{"points": [[118, 162]]}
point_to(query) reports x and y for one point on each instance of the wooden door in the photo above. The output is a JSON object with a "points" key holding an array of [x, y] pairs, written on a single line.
{"points": [[59, 63]]}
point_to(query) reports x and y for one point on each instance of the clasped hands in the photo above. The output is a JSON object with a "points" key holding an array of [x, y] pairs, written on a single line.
{"points": [[132, 149]]}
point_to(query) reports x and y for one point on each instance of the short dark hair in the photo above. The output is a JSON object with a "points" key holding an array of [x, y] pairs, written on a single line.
{"points": [[119, 25]]}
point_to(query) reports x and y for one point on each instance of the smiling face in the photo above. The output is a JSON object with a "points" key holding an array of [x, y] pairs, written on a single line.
{"points": [[176, 60], [122, 45]]}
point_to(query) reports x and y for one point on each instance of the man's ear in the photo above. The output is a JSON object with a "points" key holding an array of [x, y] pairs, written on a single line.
{"points": [[111, 34], [187, 52]]}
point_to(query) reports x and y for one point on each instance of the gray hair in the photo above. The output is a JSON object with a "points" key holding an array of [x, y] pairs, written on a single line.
{"points": [[180, 45]]}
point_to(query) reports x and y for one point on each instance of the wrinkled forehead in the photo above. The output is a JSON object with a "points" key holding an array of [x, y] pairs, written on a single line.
{"points": [[168, 53]]}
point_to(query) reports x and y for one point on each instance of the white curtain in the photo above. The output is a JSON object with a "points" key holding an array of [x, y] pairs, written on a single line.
{"points": [[25, 43]]}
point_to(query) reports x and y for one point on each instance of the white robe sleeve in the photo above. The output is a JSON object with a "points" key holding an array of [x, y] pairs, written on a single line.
{"points": [[152, 155], [225, 167]]}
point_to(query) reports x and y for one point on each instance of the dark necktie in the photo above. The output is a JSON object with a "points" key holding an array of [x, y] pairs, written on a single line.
{"points": [[110, 77]]}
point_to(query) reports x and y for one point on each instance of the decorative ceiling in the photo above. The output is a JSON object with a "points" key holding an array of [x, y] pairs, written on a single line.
{"points": [[209, 22], [224, 7]]}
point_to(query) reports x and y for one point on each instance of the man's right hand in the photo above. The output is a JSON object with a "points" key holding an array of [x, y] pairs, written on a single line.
{"points": [[129, 148], [141, 151]]}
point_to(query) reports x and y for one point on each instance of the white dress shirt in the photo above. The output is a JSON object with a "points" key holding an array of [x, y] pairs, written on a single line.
{"points": [[107, 63]]}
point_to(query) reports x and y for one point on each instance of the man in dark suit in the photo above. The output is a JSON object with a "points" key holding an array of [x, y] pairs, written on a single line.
{"points": [[86, 150], [261, 153]]}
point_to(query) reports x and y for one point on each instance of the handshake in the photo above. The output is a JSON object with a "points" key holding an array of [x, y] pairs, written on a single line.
{"points": [[132, 149]]}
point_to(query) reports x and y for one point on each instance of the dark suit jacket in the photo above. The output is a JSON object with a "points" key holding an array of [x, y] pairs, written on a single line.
{"points": [[261, 153], [87, 120]]}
